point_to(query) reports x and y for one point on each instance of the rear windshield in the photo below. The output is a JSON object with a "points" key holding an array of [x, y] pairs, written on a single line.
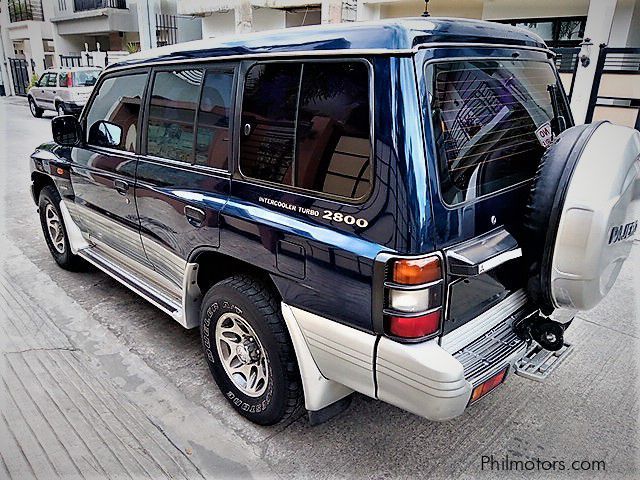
{"points": [[491, 120], [85, 78]]}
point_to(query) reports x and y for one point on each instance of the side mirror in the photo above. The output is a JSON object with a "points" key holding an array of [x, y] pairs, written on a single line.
{"points": [[105, 134], [66, 130]]}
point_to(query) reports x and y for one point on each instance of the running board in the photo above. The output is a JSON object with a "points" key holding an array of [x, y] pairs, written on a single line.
{"points": [[135, 283], [539, 363]]}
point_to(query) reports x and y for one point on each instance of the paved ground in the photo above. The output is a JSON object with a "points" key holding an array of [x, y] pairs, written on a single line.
{"points": [[96, 382]]}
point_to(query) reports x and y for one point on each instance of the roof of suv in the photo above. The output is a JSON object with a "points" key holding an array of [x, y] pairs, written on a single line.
{"points": [[385, 36]]}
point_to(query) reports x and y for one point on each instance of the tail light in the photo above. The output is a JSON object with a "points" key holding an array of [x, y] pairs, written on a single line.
{"points": [[413, 298]]}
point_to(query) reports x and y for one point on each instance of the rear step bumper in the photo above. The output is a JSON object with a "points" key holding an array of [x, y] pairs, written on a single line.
{"points": [[539, 363], [428, 381]]}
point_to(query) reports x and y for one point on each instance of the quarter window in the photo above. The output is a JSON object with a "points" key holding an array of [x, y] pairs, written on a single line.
{"points": [[50, 80], [307, 125], [172, 112], [115, 109], [212, 141]]}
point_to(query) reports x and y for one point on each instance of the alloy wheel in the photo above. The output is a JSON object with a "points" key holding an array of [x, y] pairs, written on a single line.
{"points": [[243, 357], [54, 228]]}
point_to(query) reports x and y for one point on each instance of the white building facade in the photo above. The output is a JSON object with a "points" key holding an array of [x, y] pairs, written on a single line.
{"points": [[48, 33]]}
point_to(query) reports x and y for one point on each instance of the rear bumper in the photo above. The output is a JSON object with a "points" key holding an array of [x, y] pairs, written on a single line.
{"points": [[433, 379], [429, 381], [421, 378]]}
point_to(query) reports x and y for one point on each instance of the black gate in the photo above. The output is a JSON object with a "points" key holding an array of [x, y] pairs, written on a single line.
{"points": [[615, 94], [567, 63], [70, 61], [19, 75]]}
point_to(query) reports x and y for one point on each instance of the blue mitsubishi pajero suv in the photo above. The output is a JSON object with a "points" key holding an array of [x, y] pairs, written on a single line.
{"points": [[401, 208]]}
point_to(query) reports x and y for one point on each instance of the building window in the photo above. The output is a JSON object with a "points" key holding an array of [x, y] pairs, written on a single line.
{"points": [[556, 32], [307, 125]]}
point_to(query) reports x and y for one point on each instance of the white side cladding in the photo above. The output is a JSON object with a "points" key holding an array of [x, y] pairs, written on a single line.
{"points": [[342, 354], [319, 392]]}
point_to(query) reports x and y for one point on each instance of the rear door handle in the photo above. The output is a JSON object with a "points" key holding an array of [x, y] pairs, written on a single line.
{"points": [[194, 215], [121, 186]]}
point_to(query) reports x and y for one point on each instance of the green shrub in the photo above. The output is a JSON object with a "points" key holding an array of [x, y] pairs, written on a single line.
{"points": [[34, 80]]}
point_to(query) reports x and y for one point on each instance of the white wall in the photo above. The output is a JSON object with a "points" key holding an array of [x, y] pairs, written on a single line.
{"points": [[508, 9], [296, 19], [189, 29], [268, 19], [219, 24], [626, 24], [437, 8]]}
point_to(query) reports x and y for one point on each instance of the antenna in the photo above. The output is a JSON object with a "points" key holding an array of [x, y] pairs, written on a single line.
{"points": [[426, 9]]}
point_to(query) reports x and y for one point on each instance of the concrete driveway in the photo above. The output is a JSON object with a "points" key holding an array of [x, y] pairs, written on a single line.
{"points": [[158, 408]]}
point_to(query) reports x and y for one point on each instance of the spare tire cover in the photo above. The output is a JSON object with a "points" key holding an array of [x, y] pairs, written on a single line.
{"points": [[582, 215]]}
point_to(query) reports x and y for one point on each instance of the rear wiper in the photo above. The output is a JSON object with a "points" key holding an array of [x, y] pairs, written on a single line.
{"points": [[558, 123]]}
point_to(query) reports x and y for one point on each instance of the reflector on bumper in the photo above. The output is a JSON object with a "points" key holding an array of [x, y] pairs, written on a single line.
{"points": [[488, 385]]}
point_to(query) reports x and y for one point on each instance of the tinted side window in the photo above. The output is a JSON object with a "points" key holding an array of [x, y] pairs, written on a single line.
{"points": [[51, 80], [307, 125], [267, 129], [63, 79], [212, 140], [333, 148], [117, 104], [172, 112]]}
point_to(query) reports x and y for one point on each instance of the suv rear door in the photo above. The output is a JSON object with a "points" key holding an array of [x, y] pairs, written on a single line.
{"points": [[183, 179], [487, 116]]}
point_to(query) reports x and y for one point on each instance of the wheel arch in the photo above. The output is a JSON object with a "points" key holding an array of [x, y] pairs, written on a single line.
{"points": [[214, 266], [39, 181]]}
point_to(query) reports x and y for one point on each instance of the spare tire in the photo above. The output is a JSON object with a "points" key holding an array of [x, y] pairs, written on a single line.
{"points": [[582, 215]]}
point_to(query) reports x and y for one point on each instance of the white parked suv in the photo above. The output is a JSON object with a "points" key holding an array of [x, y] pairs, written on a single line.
{"points": [[63, 90]]}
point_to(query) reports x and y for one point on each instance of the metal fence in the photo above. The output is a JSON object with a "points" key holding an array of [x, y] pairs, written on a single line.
{"points": [[567, 60], [83, 5], [615, 93], [166, 29], [71, 61], [23, 10], [19, 75]]}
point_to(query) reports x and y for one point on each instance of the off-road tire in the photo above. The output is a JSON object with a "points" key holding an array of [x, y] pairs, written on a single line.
{"points": [[257, 304], [49, 196], [34, 109]]}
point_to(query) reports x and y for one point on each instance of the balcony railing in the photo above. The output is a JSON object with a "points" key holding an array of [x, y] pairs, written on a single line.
{"points": [[22, 10], [84, 5]]}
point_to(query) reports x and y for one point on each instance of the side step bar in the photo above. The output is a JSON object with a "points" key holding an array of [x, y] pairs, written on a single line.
{"points": [[165, 303], [539, 363]]}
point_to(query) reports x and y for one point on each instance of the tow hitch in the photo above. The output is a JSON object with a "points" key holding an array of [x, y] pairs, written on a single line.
{"points": [[549, 351]]}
